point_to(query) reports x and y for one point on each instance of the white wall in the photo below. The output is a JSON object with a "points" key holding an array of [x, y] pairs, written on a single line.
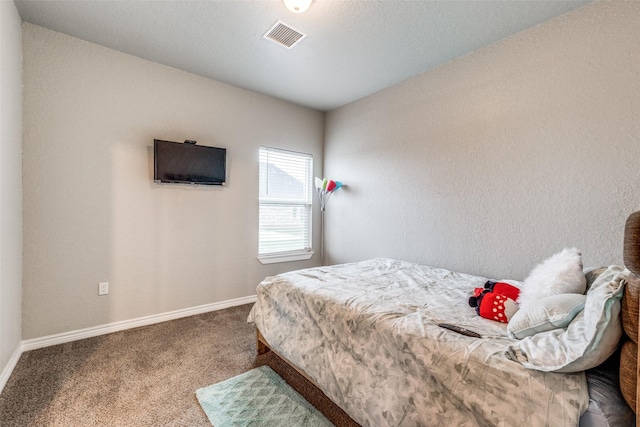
{"points": [[92, 212], [10, 182], [494, 161]]}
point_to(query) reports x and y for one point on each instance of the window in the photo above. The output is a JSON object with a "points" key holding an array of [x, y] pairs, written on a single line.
{"points": [[286, 180]]}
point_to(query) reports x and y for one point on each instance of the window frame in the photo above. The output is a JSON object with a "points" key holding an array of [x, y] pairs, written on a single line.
{"points": [[297, 254]]}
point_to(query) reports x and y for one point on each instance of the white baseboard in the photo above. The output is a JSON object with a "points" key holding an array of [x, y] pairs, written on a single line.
{"points": [[8, 369], [46, 341]]}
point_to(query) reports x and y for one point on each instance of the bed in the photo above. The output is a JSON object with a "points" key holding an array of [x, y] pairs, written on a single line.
{"points": [[367, 335]]}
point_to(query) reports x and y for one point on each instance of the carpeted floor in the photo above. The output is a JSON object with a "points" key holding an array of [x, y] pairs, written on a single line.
{"points": [[142, 377]]}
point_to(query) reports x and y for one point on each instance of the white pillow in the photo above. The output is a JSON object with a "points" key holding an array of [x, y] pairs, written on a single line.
{"points": [[559, 274], [546, 314], [591, 337]]}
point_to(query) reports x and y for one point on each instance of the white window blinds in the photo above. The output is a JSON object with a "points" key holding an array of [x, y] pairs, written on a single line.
{"points": [[285, 202]]}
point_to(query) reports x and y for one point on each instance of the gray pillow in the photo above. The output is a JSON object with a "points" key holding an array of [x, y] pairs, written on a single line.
{"points": [[607, 407]]}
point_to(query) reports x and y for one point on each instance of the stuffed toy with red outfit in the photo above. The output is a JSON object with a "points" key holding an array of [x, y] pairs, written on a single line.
{"points": [[496, 301]]}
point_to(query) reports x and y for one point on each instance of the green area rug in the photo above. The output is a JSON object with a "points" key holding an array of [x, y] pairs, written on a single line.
{"points": [[258, 398]]}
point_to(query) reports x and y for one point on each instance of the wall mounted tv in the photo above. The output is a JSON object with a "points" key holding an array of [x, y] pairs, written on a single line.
{"points": [[188, 163]]}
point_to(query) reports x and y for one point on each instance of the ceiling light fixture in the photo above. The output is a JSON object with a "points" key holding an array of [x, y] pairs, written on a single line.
{"points": [[297, 6]]}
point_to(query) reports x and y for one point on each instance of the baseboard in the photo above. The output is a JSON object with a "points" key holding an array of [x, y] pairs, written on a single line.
{"points": [[46, 341], [95, 331], [8, 369]]}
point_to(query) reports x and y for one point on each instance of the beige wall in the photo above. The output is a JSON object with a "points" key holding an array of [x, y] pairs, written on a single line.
{"points": [[10, 182], [91, 210], [496, 160], [487, 165]]}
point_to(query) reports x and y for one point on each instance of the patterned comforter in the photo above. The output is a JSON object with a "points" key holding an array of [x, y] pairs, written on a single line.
{"points": [[367, 334]]}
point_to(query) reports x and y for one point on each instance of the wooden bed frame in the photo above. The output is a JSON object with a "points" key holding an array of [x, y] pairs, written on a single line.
{"points": [[629, 368]]}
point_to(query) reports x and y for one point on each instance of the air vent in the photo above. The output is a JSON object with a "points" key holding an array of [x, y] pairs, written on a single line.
{"points": [[284, 35]]}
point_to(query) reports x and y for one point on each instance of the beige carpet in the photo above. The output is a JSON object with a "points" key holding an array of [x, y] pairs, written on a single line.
{"points": [[142, 377]]}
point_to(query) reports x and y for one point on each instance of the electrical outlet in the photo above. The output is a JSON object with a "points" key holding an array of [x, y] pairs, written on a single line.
{"points": [[103, 288]]}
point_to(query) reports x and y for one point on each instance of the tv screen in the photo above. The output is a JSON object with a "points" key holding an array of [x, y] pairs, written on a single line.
{"points": [[188, 163]]}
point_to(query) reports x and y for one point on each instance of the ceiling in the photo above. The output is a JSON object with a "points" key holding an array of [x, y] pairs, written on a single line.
{"points": [[351, 49]]}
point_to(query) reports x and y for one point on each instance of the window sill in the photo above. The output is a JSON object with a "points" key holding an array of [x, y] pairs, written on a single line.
{"points": [[272, 259]]}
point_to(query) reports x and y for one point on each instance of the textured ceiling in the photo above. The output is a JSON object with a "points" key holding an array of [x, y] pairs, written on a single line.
{"points": [[352, 48]]}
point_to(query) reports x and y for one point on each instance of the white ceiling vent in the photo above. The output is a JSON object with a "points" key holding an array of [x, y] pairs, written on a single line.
{"points": [[284, 35]]}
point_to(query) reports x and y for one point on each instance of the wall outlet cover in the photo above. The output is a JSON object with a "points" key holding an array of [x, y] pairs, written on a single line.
{"points": [[103, 288]]}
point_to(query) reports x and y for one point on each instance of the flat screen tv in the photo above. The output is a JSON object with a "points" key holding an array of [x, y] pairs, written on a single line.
{"points": [[188, 163]]}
